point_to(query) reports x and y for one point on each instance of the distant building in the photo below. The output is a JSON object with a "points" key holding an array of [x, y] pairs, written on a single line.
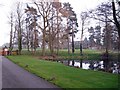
{"points": [[85, 44]]}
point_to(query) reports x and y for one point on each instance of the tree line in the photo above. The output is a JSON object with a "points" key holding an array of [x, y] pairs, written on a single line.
{"points": [[106, 32], [42, 25], [53, 25]]}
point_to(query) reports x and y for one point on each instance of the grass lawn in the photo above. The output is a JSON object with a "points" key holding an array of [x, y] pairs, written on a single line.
{"points": [[88, 54], [65, 76], [63, 54]]}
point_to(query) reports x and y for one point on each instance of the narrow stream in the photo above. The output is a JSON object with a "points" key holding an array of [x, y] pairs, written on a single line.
{"points": [[112, 66]]}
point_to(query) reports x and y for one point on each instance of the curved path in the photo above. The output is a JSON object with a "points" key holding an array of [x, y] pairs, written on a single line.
{"points": [[14, 76]]}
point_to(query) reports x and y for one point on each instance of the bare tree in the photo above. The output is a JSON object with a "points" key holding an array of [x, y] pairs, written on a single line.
{"points": [[44, 11], [84, 19], [31, 20], [57, 6], [54, 30], [18, 25], [11, 32]]}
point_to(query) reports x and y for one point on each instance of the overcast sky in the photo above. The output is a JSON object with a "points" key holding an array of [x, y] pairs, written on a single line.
{"points": [[7, 5]]}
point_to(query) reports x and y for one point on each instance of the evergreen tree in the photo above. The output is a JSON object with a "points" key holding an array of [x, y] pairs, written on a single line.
{"points": [[71, 22], [91, 38], [98, 36]]}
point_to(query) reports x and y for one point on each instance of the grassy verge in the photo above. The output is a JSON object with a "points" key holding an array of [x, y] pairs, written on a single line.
{"points": [[64, 76]]}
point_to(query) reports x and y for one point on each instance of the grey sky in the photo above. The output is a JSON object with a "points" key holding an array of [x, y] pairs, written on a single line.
{"points": [[7, 5]]}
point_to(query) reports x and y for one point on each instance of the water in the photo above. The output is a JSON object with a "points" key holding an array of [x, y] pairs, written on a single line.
{"points": [[112, 66]]}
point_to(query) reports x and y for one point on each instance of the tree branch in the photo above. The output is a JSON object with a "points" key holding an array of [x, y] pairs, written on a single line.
{"points": [[115, 19]]}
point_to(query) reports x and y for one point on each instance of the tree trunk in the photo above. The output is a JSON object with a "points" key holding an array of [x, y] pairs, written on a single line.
{"points": [[73, 50], [57, 34], [81, 49], [28, 34], [28, 48], [11, 35], [81, 63], [68, 46], [19, 29], [115, 18], [50, 42], [43, 44], [81, 53], [35, 36], [106, 33], [19, 38]]}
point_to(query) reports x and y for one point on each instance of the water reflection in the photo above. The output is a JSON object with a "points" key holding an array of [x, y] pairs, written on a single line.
{"points": [[112, 67]]}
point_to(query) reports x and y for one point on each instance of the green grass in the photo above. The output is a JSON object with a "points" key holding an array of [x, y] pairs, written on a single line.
{"points": [[63, 54], [65, 76], [88, 54]]}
